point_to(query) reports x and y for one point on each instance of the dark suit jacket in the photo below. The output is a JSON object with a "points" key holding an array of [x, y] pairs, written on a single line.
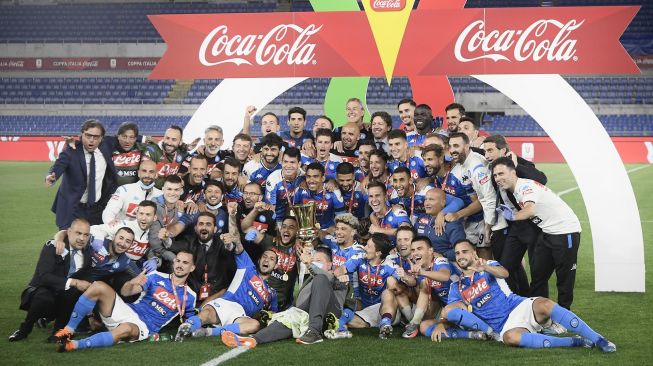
{"points": [[51, 271], [71, 164]]}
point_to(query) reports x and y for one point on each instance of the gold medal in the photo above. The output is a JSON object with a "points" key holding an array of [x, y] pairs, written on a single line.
{"points": [[470, 308], [285, 277]]}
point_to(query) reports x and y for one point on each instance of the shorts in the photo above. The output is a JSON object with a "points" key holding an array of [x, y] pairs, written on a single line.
{"points": [[372, 316], [475, 233], [123, 313], [522, 317], [228, 311]]}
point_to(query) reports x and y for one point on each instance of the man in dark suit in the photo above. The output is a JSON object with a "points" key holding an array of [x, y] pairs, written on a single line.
{"points": [[90, 162], [52, 277]]}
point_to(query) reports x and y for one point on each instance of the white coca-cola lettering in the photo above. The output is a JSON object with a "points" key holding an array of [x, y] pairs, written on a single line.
{"points": [[166, 299], [265, 48], [475, 43], [380, 5]]}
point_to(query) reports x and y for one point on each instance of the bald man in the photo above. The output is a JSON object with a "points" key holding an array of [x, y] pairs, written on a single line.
{"points": [[124, 202], [442, 240], [350, 135]]}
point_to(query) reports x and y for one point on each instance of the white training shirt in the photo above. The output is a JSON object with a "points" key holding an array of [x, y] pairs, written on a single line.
{"points": [[552, 214]]}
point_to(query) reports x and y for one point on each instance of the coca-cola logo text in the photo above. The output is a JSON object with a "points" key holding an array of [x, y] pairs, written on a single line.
{"points": [[388, 5], [263, 48], [475, 42]]}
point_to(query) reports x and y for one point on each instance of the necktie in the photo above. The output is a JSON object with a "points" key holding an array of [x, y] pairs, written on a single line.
{"points": [[71, 268], [380, 145], [91, 181]]}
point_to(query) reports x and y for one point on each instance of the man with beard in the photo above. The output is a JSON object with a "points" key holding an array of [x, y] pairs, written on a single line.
{"points": [[269, 122], [254, 213], [283, 277], [258, 171], [352, 195], [327, 204], [194, 183], [384, 219], [214, 264], [323, 155], [401, 293], [426, 224], [126, 153], [247, 294], [362, 170], [453, 112], [557, 247], [381, 126], [406, 108], [230, 177], [241, 149], [347, 147], [471, 169], [281, 185], [213, 204], [402, 156], [132, 322], [481, 289], [469, 128], [166, 154], [378, 170], [424, 124], [213, 140], [405, 194], [297, 136], [124, 202]]}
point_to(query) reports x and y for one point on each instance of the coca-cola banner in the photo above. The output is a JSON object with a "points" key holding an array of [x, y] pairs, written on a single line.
{"points": [[536, 149], [644, 61], [555, 40], [79, 63]]}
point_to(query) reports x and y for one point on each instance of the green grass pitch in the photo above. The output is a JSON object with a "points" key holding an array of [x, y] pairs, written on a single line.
{"points": [[624, 318]]}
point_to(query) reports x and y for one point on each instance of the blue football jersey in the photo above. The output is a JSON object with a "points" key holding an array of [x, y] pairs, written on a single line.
{"points": [[257, 173], [327, 204], [452, 184], [101, 262], [440, 290], [371, 279], [248, 288], [278, 192], [415, 165]]}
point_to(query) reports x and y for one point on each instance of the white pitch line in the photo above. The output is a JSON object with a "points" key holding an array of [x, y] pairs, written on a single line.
{"points": [[226, 356], [573, 189]]}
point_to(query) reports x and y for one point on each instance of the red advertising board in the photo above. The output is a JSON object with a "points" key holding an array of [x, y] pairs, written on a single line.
{"points": [[537, 149], [78, 63]]}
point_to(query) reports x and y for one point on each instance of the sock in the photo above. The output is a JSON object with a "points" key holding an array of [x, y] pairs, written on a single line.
{"points": [[195, 322], [83, 307], [454, 333], [407, 312], [430, 330], [234, 328], [573, 323], [467, 320], [386, 319], [417, 317], [347, 316], [215, 331], [104, 339], [536, 340]]}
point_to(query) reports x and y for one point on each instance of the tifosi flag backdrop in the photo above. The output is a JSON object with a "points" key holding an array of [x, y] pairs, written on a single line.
{"points": [[519, 51]]}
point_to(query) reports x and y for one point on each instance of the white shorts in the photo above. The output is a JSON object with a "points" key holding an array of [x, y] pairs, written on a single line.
{"points": [[372, 315], [121, 314], [522, 317], [228, 311], [475, 233]]}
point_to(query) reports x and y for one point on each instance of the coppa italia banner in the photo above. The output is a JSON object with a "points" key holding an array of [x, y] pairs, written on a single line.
{"points": [[78, 63], [563, 40]]}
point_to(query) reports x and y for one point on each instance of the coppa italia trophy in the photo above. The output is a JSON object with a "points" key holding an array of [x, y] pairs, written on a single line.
{"points": [[305, 215]]}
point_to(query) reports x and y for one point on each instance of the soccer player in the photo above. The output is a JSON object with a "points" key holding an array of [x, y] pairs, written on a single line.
{"points": [[406, 108], [384, 219], [323, 156], [167, 154], [297, 136], [372, 278], [352, 195], [269, 122], [327, 204], [381, 125], [194, 183], [402, 293], [469, 128], [481, 294], [557, 246], [453, 112], [258, 171], [125, 200], [402, 157], [165, 297], [404, 193], [343, 242], [247, 294], [254, 212], [424, 124], [242, 147], [213, 140], [213, 192], [471, 169], [347, 148], [363, 167], [281, 185], [230, 180], [378, 170]]}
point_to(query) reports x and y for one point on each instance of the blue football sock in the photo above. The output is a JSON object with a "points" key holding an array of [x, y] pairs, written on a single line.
{"points": [[195, 322], [215, 331], [104, 339], [83, 307], [467, 320], [536, 340], [347, 316], [385, 321], [454, 333], [573, 323], [234, 328]]}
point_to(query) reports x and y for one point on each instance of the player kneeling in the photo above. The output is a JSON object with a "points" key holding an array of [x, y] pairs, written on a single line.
{"points": [[165, 297]]}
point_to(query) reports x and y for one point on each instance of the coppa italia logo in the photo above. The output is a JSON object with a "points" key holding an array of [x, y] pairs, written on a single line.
{"points": [[566, 40], [388, 5]]}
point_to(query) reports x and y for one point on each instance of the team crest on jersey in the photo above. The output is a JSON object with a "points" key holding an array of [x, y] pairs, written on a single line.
{"points": [[257, 284], [165, 298], [477, 289]]}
